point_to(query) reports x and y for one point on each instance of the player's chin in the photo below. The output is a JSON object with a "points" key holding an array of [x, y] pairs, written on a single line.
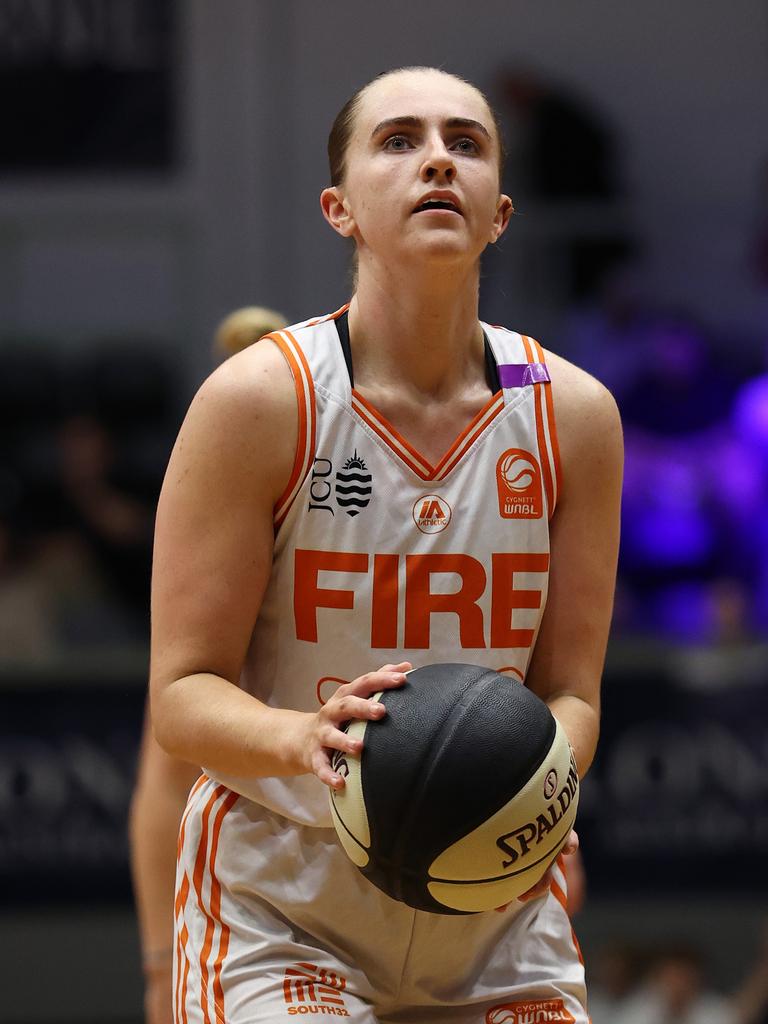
{"points": [[444, 247]]}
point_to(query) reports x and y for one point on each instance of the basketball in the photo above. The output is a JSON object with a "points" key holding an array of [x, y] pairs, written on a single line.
{"points": [[463, 794]]}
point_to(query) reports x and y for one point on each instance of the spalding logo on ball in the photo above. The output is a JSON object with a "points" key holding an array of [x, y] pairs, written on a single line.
{"points": [[463, 795]]}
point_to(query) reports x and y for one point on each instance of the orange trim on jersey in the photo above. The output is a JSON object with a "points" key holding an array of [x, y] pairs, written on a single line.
{"points": [[180, 904], [540, 434], [197, 878], [215, 906], [180, 843], [181, 896], [305, 399], [559, 895], [413, 458], [562, 899], [329, 316], [181, 981], [177, 1006], [311, 391], [387, 433], [468, 436], [301, 441], [551, 423]]}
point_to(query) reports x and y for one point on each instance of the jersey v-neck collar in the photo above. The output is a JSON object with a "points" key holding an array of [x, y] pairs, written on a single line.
{"points": [[381, 426]]}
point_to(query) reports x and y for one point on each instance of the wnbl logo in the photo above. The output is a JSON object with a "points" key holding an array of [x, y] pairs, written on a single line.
{"points": [[518, 479], [539, 1011]]}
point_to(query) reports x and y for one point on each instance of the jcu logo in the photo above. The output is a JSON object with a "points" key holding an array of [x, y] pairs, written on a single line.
{"points": [[352, 486]]}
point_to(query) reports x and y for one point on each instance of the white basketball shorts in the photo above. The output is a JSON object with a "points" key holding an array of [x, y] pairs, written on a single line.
{"points": [[274, 923]]}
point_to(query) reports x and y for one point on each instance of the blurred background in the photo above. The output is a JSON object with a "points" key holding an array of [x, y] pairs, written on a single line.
{"points": [[160, 164]]}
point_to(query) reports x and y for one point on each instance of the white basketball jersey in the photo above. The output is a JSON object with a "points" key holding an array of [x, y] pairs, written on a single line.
{"points": [[382, 557]]}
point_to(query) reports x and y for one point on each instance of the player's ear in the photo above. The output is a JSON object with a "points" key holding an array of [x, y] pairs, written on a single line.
{"points": [[336, 211], [504, 210]]}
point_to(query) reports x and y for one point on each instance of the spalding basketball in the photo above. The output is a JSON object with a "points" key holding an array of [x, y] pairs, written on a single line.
{"points": [[463, 795]]}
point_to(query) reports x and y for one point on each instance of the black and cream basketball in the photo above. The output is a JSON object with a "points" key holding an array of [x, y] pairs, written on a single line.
{"points": [[464, 792]]}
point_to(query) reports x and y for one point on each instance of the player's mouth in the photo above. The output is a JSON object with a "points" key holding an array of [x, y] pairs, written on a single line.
{"points": [[433, 202]]}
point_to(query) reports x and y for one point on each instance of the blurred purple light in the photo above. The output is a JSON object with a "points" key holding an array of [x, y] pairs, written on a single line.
{"points": [[750, 413], [685, 612], [667, 537]]}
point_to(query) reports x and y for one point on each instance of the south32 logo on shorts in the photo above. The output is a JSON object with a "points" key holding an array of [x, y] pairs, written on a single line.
{"points": [[309, 989]]}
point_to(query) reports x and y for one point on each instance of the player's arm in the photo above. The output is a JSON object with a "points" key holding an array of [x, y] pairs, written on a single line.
{"points": [[567, 663], [157, 804], [214, 541]]}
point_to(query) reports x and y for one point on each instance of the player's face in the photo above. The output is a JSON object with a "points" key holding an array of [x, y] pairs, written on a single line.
{"points": [[422, 171]]}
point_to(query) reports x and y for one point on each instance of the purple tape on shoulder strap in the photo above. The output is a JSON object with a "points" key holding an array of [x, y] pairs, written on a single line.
{"points": [[520, 375]]}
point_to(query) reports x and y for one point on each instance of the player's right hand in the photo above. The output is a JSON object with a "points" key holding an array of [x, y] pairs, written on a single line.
{"points": [[324, 733]]}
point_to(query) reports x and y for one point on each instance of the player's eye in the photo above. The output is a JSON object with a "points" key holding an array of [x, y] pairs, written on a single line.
{"points": [[397, 143], [466, 145]]}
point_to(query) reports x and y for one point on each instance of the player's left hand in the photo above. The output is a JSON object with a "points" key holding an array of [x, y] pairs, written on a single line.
{"points": [[571, 846]]}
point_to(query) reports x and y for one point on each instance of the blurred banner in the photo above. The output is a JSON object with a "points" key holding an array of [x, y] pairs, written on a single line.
{"points": [[67, 764], [676, 802], [677, 799], [88, 85]]}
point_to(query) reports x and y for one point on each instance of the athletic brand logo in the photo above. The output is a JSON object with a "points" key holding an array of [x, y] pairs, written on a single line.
{"points": [[526, 838], [308, 988], [431, 513], [518, 480], [550, 784], [538, 1011], [353, 486]]}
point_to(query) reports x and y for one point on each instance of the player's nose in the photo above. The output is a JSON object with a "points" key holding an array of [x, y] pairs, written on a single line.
{"points": [[438, 161]]}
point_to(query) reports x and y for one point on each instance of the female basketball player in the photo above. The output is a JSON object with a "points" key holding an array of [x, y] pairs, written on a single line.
{"points": [[294, 554]]}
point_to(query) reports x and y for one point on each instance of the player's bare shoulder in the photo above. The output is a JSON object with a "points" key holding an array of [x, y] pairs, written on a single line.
{"points": [[243, 421], [587, 420]]}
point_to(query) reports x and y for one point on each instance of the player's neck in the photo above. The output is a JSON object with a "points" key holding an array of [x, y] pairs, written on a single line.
{"points": [[421, 335]]}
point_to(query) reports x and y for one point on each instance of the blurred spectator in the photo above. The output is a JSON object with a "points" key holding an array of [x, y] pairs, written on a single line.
{"points": [[674, 992], [612, 977], [243, 327], [608, 332], [83, 447], [112, 446], [694, 496], [112, 515], [568, 150], [680, 387]]}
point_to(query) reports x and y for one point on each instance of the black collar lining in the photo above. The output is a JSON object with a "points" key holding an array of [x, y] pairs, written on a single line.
{"points": [[342, 327]]}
